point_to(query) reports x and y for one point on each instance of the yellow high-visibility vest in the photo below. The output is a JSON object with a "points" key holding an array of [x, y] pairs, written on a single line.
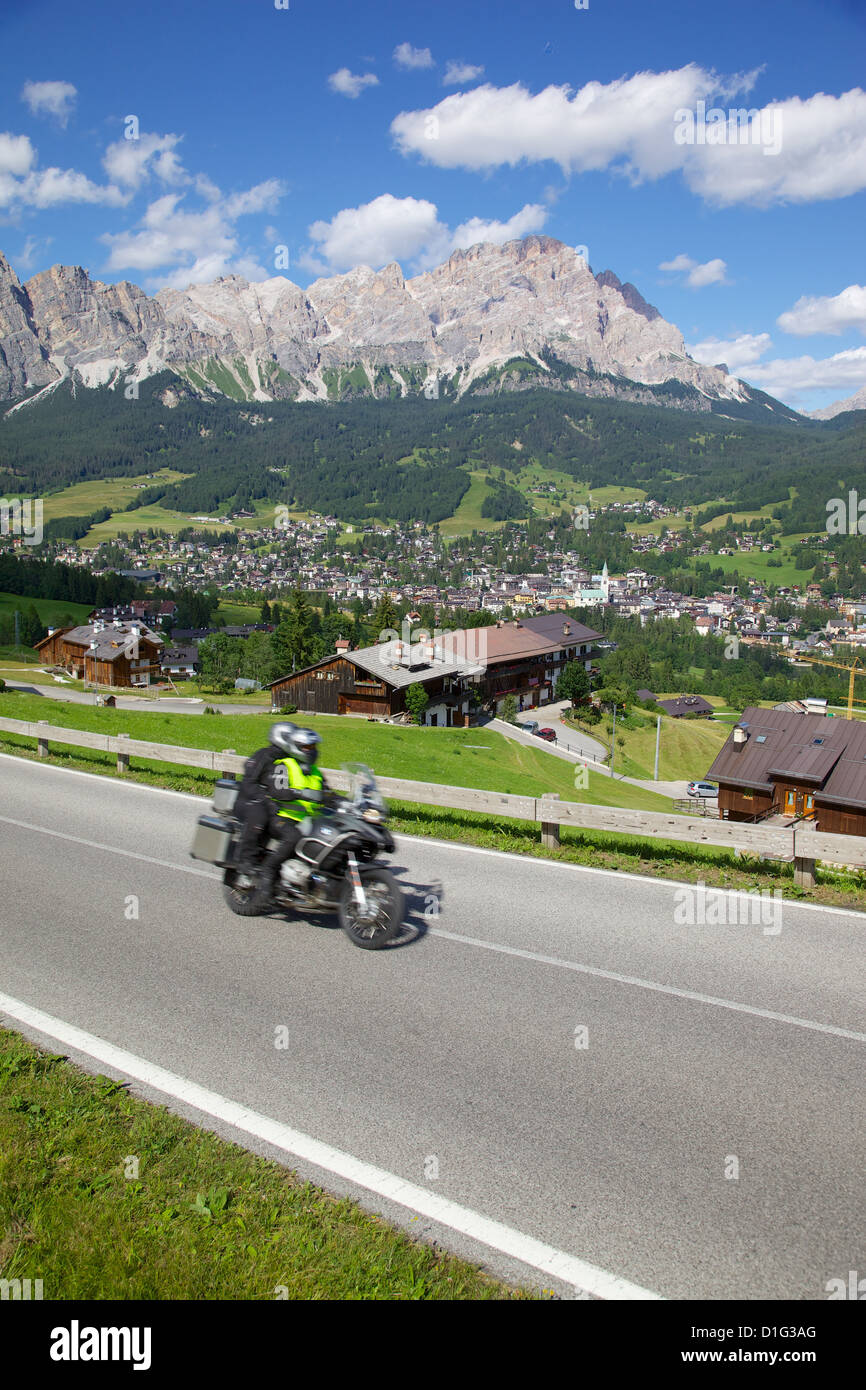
{"points": [[298, 781]]}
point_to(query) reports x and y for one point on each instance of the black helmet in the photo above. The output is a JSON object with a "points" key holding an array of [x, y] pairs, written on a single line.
{"points": [[303, 746], [281, 735]]}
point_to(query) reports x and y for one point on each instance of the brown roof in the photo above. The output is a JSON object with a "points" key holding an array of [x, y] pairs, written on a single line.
{"points": [[524, 638], [828, 754]]}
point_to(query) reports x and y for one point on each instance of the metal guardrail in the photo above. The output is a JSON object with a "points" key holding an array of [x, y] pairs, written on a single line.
{"points": [[800, 843]]}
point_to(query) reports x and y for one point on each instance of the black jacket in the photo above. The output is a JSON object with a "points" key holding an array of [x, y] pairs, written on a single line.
{"points": [[258, 781]]}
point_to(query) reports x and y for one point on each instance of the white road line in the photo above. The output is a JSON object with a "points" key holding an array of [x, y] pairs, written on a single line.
{"points": [[110, 849], [493, 1234], [653, 985], [535, 956]]}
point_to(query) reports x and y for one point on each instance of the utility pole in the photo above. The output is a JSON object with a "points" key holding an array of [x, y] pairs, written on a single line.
{"points": [[658, 736]]}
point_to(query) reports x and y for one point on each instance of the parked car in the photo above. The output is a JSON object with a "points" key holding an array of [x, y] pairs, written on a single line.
{"points": [[548, 734], [531, 728], [703, 789]]}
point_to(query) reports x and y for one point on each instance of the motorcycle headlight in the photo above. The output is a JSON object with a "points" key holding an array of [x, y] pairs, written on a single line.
{"points": [[372, 815]]}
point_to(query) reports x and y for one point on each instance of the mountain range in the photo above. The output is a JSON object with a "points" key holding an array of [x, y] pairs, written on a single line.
{"points": [[528, 313]]}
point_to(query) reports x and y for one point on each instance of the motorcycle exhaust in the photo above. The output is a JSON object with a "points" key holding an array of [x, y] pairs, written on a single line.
{"points": [[355, 879]]}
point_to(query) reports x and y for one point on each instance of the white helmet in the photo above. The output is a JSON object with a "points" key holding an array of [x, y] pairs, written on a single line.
{"points": [[281, 735]]}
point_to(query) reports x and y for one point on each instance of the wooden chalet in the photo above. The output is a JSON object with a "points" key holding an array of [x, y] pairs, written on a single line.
{"points": [[779, 762], [461, 671], [116, 654]]}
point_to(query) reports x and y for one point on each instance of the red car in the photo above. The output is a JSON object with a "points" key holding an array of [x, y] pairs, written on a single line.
{"points": [[548, 734]]}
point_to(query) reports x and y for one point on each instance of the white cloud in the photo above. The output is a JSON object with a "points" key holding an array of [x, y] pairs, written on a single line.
{"points": [[736, 353], [350, 85], [46, 188], [199, 245], [22, 185], [131, 162], [263, 197], [827, 314], [406, 230], [805, 150], [456, 73], [697, 275], [405, 56], [384, 230], [530, 218], [50, 98], [792, 378], [26, 258], [16, 154]]}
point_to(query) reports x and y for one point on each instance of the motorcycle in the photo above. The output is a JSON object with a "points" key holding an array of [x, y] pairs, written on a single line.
{"points": [[332, 869]]}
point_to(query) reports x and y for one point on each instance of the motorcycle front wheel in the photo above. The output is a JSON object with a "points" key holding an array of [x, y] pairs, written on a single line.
{"points": [[379, 922]]}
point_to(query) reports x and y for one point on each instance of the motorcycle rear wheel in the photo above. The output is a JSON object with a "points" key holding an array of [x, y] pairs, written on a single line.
{"points": [[241, 896], [384, 915]]}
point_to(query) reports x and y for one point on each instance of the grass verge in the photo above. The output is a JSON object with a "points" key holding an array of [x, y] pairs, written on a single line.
{"points": [[197, 1217]]}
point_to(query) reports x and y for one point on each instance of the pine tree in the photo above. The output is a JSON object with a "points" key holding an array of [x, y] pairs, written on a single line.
{"points": [[293, 642]]}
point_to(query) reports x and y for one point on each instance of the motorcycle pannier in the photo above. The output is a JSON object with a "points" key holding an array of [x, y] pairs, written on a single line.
{"points": [[225, 795], [212, 840]]}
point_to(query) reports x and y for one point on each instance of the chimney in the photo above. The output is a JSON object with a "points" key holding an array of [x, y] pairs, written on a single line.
{"points": [[741, 734]]}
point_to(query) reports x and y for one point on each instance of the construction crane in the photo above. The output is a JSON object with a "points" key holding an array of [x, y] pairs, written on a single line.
{"points": [[854, 670]]}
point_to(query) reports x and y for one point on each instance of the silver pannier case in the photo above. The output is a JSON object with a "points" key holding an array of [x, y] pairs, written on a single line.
{"points": [[225, 795], [212, 840]]}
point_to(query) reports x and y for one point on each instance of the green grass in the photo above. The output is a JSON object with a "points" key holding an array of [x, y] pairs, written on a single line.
{"points": [[202, 1219], [753, 564], [238, 614], [82, 498], [467, 516], [423, 755], [687, 747], [50, 610]]}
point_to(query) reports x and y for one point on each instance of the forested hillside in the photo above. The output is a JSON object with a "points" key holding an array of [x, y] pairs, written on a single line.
{"points": [[409, 459]]}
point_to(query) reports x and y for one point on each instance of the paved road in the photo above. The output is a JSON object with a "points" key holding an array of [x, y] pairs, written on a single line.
{"points": [[706, 1044], [166, 704]]}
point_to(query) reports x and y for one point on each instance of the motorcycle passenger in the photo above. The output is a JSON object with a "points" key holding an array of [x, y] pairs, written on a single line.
{"points": [[298, 790], [254, 806]]}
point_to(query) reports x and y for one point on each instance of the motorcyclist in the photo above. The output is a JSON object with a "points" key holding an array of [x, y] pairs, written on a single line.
{"points": [[296, 789], [254, 806]]}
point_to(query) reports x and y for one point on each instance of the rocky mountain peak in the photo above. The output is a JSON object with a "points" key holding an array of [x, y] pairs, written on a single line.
{"points": [[484, 307]]}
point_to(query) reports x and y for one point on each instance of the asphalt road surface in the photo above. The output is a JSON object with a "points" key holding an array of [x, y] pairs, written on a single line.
{"points": [[680, 1107]]}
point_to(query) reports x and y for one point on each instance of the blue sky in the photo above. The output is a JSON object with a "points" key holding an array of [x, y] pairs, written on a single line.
{"points": [[333, 133]]}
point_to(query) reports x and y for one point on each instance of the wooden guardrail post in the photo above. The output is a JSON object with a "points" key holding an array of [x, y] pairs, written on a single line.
{"points": [[804, 864], [804, 873], [223, 768], [122, 758], [549, 829], [42, 743]]}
